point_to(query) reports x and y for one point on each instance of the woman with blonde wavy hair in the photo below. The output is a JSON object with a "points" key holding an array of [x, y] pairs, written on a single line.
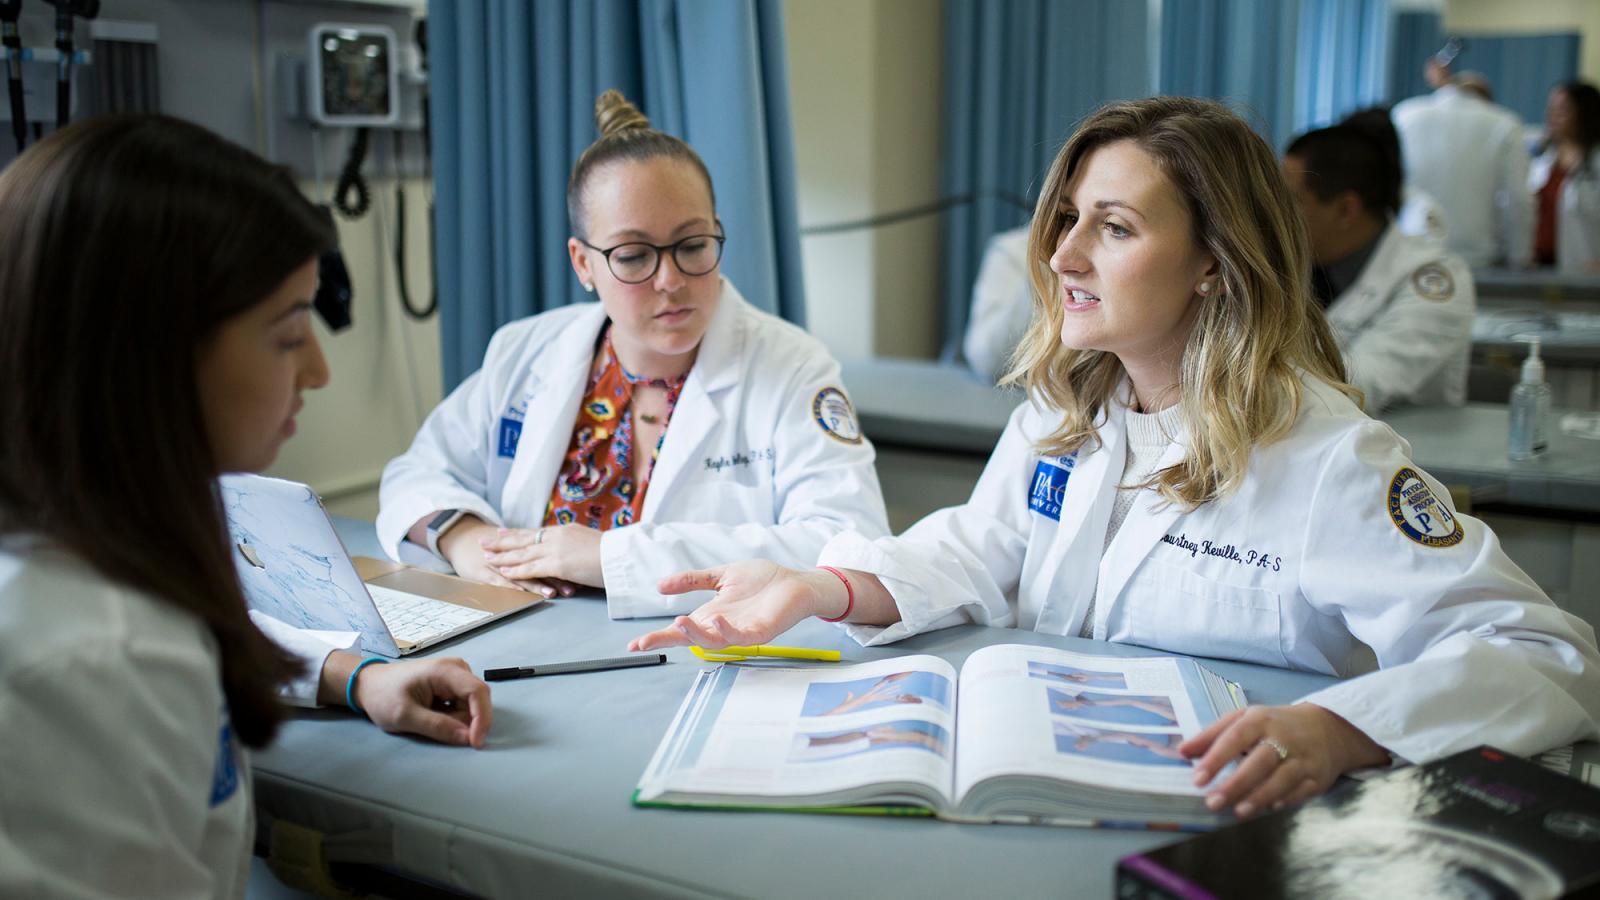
{"points": [[1191, 473]]}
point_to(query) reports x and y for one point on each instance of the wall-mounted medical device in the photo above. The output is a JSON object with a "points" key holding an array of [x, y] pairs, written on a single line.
{"points": [[353, 76]]}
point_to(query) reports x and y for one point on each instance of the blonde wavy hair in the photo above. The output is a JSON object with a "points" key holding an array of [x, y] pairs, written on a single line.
{"points": [[1240, 381]]}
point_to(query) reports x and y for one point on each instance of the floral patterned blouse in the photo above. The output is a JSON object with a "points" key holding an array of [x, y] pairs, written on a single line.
{"points": [[597, 486]]}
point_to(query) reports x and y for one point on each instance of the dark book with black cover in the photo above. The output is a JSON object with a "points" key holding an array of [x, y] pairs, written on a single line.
{"points": [[1482, 823]]}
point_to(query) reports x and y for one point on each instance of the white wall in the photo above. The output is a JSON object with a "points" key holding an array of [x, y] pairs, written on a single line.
{"points": [[864, 80], [385, 367], [1532, 17]]}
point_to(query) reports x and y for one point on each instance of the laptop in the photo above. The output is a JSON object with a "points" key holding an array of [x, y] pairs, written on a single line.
{"points": [[294, 568]]}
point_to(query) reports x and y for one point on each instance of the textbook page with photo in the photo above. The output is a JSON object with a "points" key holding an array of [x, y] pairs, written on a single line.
{"points": [[1029, 735]]}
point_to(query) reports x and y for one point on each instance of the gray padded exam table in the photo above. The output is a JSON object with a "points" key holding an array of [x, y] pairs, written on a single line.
{"points": [[544, 810]]}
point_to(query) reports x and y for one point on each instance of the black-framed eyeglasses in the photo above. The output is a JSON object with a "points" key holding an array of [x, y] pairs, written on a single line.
{"points": [[636, 261]]}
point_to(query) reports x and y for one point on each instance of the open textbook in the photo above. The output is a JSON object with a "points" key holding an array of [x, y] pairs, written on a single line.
{"points": [[1024, 734]]}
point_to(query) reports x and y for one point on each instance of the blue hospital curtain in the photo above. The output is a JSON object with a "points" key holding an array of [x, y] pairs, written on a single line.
{"points": [[1240, 52], [1343, 61], [1521, 68], [513, 89], [1018, 75]]}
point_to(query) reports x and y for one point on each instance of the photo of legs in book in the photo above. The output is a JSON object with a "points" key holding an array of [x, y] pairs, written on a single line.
{"points": [[905, 733], [1120, 709], [1118, 746], [1071, 675], [840, 697]]}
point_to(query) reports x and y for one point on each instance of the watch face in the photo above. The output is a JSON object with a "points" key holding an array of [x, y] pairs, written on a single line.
{"points": [[442, 519]]}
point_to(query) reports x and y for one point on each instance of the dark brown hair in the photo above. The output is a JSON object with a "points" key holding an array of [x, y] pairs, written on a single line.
{"points": [[625, 134], [128, 241]]}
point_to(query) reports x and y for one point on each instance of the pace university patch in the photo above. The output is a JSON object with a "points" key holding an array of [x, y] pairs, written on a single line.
{"points": [[1047, 492], [835, 416], [1433, 282], [1419, 514]]}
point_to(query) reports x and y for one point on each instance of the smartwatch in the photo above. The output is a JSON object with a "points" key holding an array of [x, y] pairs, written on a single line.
{"points": [[441, 523]]}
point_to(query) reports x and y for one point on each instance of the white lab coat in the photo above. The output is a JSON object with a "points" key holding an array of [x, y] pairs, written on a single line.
{"points": [[1405, 324], [119, 773], [749, 467], [1421, 216], [1468, 155], [1303, 567], [1577, 211], [1002, 304]]}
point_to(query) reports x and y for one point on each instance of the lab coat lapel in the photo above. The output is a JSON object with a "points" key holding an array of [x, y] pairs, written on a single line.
{"points": [[1151, 517], [697, 416], [1072, 560], [552, 413]]}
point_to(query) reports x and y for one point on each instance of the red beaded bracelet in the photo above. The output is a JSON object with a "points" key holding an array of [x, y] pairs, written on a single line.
{"points": [[849, 592]]}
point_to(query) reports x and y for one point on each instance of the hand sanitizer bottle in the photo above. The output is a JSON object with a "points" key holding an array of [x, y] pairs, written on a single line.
{"points": [[1530, 408]]}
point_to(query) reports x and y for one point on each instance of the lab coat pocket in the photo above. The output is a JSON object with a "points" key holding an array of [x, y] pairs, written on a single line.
{"points": [[1172, 608]]}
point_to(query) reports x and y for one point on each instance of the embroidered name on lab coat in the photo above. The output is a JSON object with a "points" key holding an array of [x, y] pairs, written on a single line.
{"points": [[1418, 514], [1253, 558], [1048, 489], [718, 463], [225, 778]]}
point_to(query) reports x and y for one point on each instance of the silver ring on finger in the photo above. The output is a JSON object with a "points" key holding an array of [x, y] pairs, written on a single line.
{"points": [[1277, 747], [538, 536]]}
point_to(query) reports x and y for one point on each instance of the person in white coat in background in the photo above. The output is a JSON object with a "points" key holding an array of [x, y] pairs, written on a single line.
{"points": [[1190, 474], [1401, 307], [1565, 181], [1468, 154], [156, 288], [1001, 304], [671, 425]]}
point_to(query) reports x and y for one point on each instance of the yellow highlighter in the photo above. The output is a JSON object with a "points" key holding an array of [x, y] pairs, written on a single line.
{"points": [[733, 654]]}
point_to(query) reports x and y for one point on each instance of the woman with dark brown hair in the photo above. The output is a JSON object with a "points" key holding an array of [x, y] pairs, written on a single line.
{"points": [[155, 285]]}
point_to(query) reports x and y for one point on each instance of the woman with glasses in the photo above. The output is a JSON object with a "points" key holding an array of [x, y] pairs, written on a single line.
{"points": [[669, 426]]}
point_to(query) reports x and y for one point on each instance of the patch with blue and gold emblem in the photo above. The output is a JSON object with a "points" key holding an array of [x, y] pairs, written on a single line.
{"points": [[835, 416], [1047, 491], [1419, 514]]}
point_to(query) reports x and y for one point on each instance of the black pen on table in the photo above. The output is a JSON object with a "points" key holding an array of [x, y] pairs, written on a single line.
{"points": [[581, 665]]}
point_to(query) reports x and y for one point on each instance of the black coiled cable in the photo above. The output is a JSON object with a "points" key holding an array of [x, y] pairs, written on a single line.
{"points": [[350, 180]]}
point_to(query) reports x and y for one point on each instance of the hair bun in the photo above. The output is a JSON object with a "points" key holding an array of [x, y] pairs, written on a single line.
{"points": [[613, 113]]}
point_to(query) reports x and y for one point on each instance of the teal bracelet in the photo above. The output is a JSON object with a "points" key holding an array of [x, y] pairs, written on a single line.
{"points": [[350, 686]]}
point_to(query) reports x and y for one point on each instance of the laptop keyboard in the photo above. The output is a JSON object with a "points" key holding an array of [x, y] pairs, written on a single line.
{"points": [[415, 618]]}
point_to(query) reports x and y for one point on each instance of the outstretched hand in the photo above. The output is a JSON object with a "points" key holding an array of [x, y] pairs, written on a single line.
{"points": [[755, 601]]}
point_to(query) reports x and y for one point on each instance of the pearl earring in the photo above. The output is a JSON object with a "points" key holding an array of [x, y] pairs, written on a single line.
{"points": [[1205, 288], [588, 287]]}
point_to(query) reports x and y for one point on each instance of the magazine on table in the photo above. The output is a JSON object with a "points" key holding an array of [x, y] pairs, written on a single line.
{"points": [[1023, 734]]}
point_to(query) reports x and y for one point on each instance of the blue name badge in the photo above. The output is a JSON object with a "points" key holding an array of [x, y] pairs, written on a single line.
{"points": [[225, 776], [1048, 488], [510, 434]]}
